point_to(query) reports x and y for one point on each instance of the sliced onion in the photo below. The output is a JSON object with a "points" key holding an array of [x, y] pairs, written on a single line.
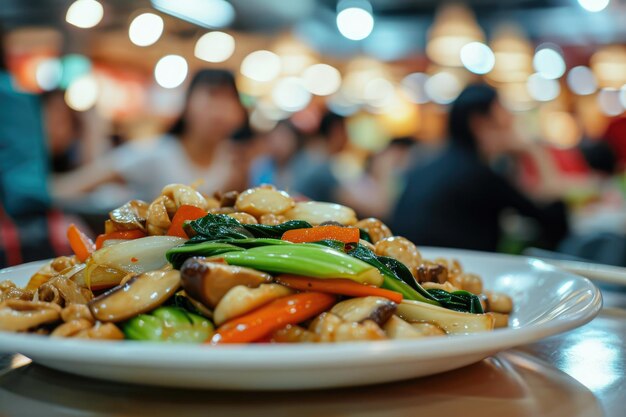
{"points": [[134, 256]]}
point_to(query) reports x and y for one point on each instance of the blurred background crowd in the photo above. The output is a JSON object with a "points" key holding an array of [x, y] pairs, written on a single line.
{"points": [[487, 124]]}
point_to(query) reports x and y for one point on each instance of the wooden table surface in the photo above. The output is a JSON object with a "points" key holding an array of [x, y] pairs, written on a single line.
{"points": [[578, 373]]}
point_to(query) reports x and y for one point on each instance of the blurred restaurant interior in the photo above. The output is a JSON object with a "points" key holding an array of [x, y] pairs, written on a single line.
{"points": [[351, 101]]}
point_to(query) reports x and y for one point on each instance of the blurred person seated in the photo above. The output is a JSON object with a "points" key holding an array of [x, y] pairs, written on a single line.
{"points": [[73, 138], [375, 193], [456, 199], [29, 229], [281, 161], [198, 150], [320, 161]]}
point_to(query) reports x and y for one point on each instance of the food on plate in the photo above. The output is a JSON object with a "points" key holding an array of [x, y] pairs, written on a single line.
{"points": [[250, 267]]}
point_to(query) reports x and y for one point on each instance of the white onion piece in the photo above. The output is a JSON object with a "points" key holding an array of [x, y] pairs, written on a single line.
{"points": [[111, 242], [137, 255]]}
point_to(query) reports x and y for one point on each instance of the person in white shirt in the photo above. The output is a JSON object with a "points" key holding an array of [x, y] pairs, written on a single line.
{"points": [[197, 150]]}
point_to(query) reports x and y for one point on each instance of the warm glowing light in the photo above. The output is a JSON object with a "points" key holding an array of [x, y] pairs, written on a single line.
{"points": [[215, 47], [560, 129], [379, 92], [543, 89], [609, 101], [513, 54], [477, 57], [443, 87], [84, 13], [82, 93], [582, 81], [145, 29], [206, 13], [454, 27], [593, 5], [549, 63], [414, 86], [290, 95], [355, 23], [170, 71], [48, 74], [609, 66], [261, 66], [321, 79]]}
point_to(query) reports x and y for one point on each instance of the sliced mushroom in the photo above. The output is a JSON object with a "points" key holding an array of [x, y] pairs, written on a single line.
{"points": [[446, 286], [331, 328], [396, 328], [244, 218], [272, 219], [401, 249], [208, 281], [76, 312], [228, 199], [141, 293], [377, 309], [71, 328], [317, 212], [62, 263], [452, 265], [259, 201], [375, 228], [449, 320], [19, 315], [241, 299], [130, 216], [64, 292], [431, 272], [160, 213]]}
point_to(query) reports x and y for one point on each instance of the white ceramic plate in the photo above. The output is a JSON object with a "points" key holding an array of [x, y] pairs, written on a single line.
{"points": [[547, 301]]}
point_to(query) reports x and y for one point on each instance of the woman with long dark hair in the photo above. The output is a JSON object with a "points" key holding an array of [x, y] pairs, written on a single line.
{"points": [[457, 199], [197, 149]]}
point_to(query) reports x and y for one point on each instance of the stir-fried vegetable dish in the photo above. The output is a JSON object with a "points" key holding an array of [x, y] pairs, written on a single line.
{"points": [[251, 267]]}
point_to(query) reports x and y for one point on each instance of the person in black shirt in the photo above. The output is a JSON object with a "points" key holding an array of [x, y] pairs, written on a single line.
{"points": [[456, 199]]}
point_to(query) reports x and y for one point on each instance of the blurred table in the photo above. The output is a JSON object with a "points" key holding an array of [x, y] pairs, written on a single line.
{"points": [[579, 373]]}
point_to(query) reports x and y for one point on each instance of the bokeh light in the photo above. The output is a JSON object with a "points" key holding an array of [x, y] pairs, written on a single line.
{"points": [[379, 92], [74, 66], [170, 71], [261, 66], [549, 63], [560, 129], [82, 93], [443, 87], [414, 86], [477, 58], [543, 89], [215, 47], [355, 23], [581, 80], [593, 5], [206, 13], [145, 29], [289, 94], [321, 79], [609, 102], [48, 73], [84, 13]]}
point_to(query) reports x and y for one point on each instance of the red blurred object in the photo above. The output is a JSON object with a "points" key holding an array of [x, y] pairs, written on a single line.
{"points": [[615, 135]]}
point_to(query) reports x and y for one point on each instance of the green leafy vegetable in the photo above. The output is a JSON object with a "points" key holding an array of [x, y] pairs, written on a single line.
{"points": [[221, 226], [305, 259], [463, 301], [365, 235], [169, 324]]}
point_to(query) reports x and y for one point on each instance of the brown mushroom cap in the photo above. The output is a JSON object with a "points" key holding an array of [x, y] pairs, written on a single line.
{"points": [[378, 309], [208, 281], [139, 294]]}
